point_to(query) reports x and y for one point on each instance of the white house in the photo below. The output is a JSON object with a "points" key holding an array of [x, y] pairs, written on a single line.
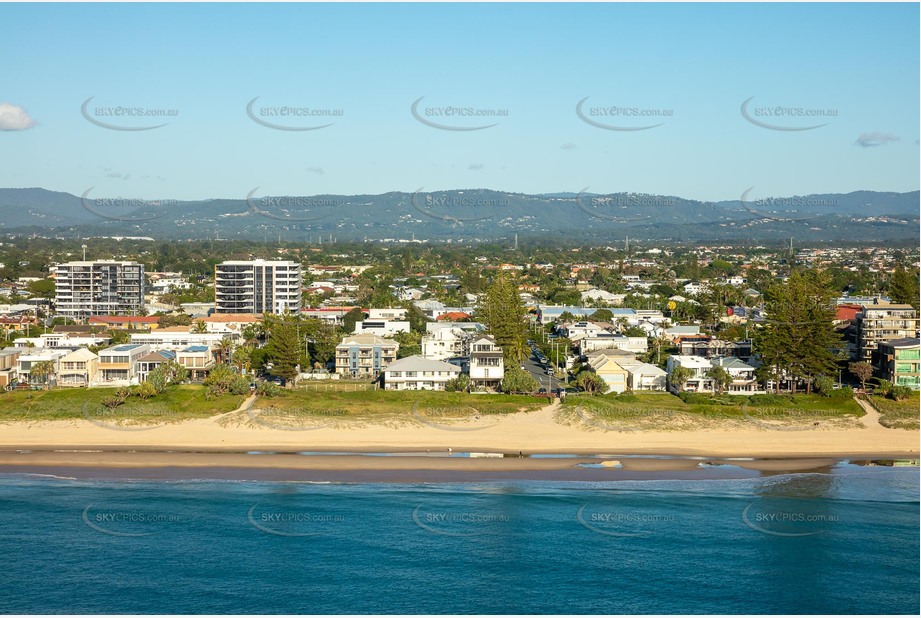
{"points": [[743, 376], [699, 366], [644, 376], [26, 361], [607, 341], [415, 373], [487, 364], [78, 368], [119, 363], [397, 313], [381, 328], [179, 337], [596, 295]]}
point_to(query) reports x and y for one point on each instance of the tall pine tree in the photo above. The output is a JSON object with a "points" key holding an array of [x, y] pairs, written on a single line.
{"points": [[503, 314]]}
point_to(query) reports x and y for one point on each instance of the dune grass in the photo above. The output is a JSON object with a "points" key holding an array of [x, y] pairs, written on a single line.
{"points": [[898, 414]]}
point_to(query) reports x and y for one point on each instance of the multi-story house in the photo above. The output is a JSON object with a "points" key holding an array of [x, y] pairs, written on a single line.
{"points": [[416, 373], [119, 363], [698, 382], [609, 370], [897, 360], [743, 376], [365, 356], [78, 368], [28, 360], [257, 286], [882, 322], [151, 361], [197, 359], [487, 364], [107, 287], [178, 337], [9, 360]]}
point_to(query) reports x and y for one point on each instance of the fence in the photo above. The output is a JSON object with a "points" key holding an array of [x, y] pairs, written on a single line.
{"points": [[332, 387]]}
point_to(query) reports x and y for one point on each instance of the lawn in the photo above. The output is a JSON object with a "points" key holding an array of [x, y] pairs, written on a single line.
{"points": [[666, 411], [897, 414], [178, 403], [329, 408]]}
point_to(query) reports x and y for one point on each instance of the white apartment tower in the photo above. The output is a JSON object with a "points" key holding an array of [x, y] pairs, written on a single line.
{"points": [[257, 286], [103, 287]]}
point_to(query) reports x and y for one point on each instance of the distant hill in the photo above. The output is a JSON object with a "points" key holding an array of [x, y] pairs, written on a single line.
{"points": [[471, 216]]}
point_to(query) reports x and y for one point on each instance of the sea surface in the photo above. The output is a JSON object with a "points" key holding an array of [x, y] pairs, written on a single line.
{"points": [[843, 542]]}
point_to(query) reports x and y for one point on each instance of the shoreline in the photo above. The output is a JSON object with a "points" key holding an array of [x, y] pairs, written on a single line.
{"points": [[400, 467]]}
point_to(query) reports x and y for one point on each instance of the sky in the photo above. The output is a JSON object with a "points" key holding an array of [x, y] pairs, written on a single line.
{"points": [[832, 95]]}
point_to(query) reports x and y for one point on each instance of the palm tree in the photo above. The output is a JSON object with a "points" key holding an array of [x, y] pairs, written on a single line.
{"points": [[223, 349], [199, 327], [42, 370]]}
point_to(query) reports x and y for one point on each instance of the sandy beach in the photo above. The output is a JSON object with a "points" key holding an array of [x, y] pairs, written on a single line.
{"points": [[225, 440]]}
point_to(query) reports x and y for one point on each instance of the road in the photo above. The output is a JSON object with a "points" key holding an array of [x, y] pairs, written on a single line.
{"points": [[538, 372]]}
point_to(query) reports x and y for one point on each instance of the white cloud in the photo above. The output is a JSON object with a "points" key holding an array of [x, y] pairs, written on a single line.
{"points": [[14, 118]]}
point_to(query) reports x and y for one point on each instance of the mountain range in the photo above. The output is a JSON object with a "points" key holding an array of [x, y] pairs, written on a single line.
{"points": [[470, 215]]}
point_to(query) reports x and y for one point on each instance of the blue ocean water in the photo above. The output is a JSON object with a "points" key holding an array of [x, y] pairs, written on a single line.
{"points": [[846, 542]]}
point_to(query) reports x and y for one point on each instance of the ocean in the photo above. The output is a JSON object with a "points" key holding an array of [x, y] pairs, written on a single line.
{"points": [[839, 543]]}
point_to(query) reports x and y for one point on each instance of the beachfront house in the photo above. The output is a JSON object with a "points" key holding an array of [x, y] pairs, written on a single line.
{"points": [[698, 382], [608, 369], [197, 359], [151, 361], [643, 376], [118, 364], [78, 368], [9, 359], [28, 360], [487, 364], [743, 376], [416, 373]]}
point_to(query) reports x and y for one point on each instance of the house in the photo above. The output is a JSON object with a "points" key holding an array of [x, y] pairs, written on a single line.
{"points": [[9, 359], [596, 295], [129, 322], [487, 363], [603, 341], [694, 288], [678, 331], [179, 337], [743, 376], [119, 363], [897, 360], [551, 313], [151, 361], [230, 323], [698, 382], [78, 368], [381, 328], [643, 376], [416, 373], [17, 322], [365, 355], [64, 340], [611, 372], [397, 313], [27, 360], [578, 330], [330, 315], [197, 359], [712, 348]]}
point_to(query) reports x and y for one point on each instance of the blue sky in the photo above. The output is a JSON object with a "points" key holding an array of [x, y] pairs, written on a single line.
{"points": [[858, 64]]}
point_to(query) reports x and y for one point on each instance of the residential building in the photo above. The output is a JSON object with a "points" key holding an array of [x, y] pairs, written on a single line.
{"points": [[127, 322], [487, 363], [197, 359], [897, 360], [605, 341], [643, 376], [29, 359], [551, 313], [257, 286], [416, 373], [743, 376], [365, 356], [178, 337], [9, 362], [119, 363], [230, 323], [106, 287], [609, 370], [699, 366], [151, 361], [330, 315], [381, 328], [397, 313], [78, 368], [713, 348], [882, 322]]}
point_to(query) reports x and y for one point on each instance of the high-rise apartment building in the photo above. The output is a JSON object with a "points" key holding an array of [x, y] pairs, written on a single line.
{"points": [[257, 286], [102, 287]]}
